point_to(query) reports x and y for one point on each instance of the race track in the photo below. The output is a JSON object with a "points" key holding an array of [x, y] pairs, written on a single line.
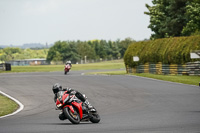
{"points": [[126, 104]]}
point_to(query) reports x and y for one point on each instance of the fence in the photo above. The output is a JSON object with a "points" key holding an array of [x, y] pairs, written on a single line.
{"points": [[192, 68], [27, 62]]}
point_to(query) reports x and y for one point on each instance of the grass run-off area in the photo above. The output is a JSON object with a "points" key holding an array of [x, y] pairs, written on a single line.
{"points": [[192, 80], [115, 64], [7, 105]]}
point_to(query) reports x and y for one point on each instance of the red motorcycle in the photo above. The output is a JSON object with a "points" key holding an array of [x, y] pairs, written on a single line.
{"points": [[74, 109], [67, 68]]}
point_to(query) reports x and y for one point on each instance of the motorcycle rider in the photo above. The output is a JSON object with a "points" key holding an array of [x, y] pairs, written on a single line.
{"points": [[57, 87], [69, 62]]}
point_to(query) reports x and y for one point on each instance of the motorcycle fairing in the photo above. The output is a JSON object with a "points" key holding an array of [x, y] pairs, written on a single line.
{"points": [[64, 97], [79, 107], [70, 107], [67, 67], [58, 102]]}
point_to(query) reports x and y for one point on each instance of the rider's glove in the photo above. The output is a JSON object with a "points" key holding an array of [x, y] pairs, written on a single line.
{"points": [[69, 90]]}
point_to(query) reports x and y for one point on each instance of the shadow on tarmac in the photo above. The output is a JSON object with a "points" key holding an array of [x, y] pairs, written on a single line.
{"points": [[82, 123]]}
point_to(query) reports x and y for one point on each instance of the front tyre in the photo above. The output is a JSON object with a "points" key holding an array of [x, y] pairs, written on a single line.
{"points": [[73, 117], [95, 118]]}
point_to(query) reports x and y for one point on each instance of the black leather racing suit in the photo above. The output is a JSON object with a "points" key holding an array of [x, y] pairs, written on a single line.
{"points": [[69, 90]]}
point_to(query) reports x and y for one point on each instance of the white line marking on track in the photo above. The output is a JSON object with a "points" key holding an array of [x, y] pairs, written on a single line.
{"points": [[21, 106]]}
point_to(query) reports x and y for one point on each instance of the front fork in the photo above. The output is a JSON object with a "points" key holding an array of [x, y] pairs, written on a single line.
{"points": [[78, 106]]}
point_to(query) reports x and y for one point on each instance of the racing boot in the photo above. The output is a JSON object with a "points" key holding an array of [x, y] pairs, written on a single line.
{"points": [[62, 116]]}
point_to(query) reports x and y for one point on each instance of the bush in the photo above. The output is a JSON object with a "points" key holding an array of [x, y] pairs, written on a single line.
{"points": [[168, 50]]}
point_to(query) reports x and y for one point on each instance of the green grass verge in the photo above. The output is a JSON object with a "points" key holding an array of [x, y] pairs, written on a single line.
{"points": [[192, 80], [7, 105], [109, 73], [117, 64]]}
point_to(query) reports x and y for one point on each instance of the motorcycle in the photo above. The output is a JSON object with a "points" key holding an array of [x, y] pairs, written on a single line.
{"points": [[67, 68], [74, 109]]}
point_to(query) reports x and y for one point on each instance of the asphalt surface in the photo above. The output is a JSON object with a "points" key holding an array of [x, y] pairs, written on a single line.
{"points": [[126, 104]]}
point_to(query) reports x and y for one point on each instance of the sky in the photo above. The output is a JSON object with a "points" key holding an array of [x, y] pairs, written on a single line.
{"points": [[48, 21]]}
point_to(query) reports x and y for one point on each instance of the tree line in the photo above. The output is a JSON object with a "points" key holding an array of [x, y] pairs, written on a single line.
{"points": [[173, 18], [91, 50], [71, 50], [13, 53]]}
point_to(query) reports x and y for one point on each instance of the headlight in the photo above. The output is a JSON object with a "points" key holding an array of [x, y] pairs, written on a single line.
{"points": [[59, 105]]}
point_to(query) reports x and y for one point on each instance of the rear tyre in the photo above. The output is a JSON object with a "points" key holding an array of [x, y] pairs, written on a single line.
{"points": [[73, 117], [95, 118]]}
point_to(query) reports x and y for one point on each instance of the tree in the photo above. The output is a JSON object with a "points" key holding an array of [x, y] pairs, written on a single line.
{"points": [[57, 56], [102, 49], [84, 49], [71, 53], [192, 16], [63, 51], [94, 50], [115, 51], [167, 17], [9, 53], [124, 45]]}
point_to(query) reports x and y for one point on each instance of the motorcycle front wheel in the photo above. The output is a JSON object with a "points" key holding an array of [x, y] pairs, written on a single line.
{"points": [[72, 117], [95, 118]]}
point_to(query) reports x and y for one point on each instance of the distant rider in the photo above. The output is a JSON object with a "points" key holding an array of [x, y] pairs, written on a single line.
{"points": [[69, 62]]}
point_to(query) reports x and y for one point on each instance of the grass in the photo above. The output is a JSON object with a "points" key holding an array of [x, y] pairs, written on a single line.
{"points": [[192, 80], [7, 105], [109, 73], [117, 64]]}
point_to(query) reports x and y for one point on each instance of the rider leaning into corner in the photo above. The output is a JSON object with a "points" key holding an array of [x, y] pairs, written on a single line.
{"points": [[57, 87], [69, 62]]}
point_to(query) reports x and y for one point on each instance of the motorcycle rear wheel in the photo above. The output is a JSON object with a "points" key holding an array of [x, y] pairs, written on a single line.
{"points": [[72, 117]]}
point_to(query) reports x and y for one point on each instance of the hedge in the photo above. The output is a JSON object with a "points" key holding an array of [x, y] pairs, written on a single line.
{"points": [[168, 50]]}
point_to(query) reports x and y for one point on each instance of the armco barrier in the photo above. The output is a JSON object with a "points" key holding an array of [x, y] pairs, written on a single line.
{"points": [[159, 68], [191, 68], [152, 68]]}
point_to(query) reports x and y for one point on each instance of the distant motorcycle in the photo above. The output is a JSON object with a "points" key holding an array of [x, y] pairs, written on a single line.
{"points": [[74, 109], [67, 68]]}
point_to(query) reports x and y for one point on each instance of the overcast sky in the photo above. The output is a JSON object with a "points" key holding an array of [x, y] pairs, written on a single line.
{"points": [[48, 21]]}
